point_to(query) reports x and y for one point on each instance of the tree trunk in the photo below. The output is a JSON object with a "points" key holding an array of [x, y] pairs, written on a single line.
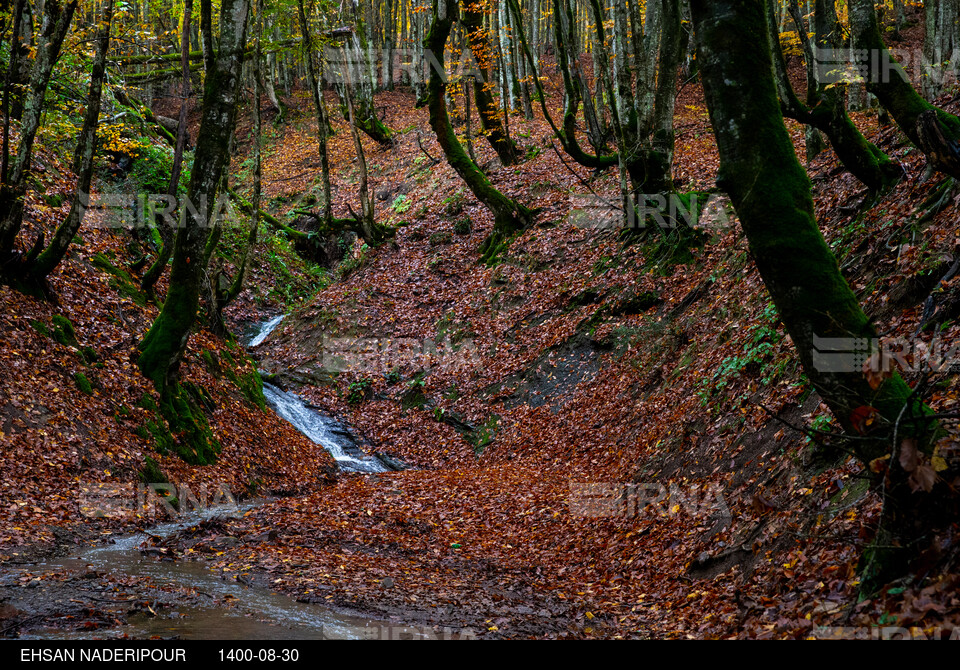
{"points": [[56, 23], [824, 109], [472, 21], [771, 194], [167, 229], [509, 216], [933, 131], [941, 46], [318, 106], [164, 345], [83, 160]]}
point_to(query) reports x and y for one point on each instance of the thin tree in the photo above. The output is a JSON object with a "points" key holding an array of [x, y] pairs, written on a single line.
{"points": [[51, 257]]}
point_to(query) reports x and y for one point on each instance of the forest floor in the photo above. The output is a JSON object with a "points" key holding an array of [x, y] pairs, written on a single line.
{"points": [[608, 441]]}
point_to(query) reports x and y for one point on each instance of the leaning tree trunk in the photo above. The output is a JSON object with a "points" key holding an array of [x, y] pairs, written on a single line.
{"points": [[941, 45], [772, 197], [933, 131], [472, 21], [164, 345], [825, 109], [48, 260], [509, 216], [13, 190]]}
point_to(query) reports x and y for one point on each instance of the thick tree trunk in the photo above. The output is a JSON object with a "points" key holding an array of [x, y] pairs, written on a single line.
{"points": [[56, 23], [771, 194], [164, 345], [509, 216]]}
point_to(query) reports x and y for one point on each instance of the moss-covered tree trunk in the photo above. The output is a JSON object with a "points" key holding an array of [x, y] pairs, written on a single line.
{"points": [[165, 343], [167, 229], [509, 216], [932, 130], [772, 197], [825, 109], [472, 20], [13, 189], [83, 163]]}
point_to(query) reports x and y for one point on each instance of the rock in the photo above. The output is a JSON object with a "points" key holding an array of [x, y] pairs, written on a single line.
{"points": [[387, 582]]}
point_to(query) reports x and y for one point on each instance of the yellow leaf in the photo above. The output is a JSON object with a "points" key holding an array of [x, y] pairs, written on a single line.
{"points": [[938, 462]]}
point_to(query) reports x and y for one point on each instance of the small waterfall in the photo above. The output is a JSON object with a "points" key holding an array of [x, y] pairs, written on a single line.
{"points": [[265, 331], [322, 430]]}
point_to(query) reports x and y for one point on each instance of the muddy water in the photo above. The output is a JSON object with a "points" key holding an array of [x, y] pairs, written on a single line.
{"points": [[249, 612]]}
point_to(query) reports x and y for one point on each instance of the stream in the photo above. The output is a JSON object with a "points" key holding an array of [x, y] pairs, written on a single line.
{"points": [[254, 613]]}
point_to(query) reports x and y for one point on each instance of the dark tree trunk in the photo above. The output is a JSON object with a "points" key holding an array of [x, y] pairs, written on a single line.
{"points": [[164, 345], [771, 194], [83, 161], [509, 216], [933, 131]]}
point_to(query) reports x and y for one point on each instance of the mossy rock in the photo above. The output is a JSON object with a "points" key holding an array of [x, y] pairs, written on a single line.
{"points": [[83, 383], [64, 332], [121, 280], [463, 226]]}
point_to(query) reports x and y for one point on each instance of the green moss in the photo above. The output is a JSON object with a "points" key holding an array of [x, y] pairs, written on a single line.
{"points": [[63, 332], [463, 226], [120, 281], [250, 383], [83, 383], [183, 409], [151, 473], [212, 363], [40, 327]]}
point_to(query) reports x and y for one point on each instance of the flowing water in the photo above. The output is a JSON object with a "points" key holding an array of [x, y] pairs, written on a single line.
{"points": [[258, 613]]}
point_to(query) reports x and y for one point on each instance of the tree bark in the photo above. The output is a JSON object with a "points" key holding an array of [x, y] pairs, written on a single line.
{"points": [[932, 130], [56, 23], [824, 108], [509, 216], [941, 45], [472, 21], [51, 257], [165, 343], [772, 197]]}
